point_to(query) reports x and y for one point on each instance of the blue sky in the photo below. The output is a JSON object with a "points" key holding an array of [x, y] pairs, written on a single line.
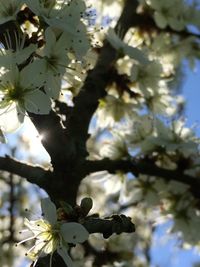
{"points": [[191, 91], [165, 250]]}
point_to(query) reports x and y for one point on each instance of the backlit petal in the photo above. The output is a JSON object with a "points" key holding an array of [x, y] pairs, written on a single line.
{"points": [[49, 210], [74, 233]]}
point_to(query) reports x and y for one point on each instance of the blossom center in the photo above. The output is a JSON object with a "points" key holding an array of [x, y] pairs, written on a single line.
{"points": [[15, 93]]}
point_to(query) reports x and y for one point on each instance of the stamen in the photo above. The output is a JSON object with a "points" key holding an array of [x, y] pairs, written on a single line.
{"points": [[25, 240], [17, 42], [50, 262], [30, 250], [24, 231], [35, 262], [7, 40], [39, 252]]}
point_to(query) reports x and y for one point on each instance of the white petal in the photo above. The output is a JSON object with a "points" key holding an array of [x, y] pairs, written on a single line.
{"points": [[33, 5], [53, 86], [135, 54], [59, 24], [160, 20], [176, 24], [118, 44], [62, 251], [9, 120], [6, 60], [37, 102], [38, 226], [50, 41], [49, 210], [113, 39], [74, 232], [75, 8], [25, 53], [134, 73], [33, 74]]}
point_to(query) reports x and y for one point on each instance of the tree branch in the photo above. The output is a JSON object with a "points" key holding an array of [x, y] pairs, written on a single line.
{"points": [[54, 140], [137, 167], [145, 22], [33, 174], [115, 224]]}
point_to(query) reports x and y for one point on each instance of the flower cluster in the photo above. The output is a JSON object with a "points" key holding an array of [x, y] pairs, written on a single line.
{"points": [[52, 235], [112, 109], [124, 48], [173, 13], [53, 37]]}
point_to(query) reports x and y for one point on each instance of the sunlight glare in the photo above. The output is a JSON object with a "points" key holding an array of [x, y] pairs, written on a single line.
{"points": [[32, 140]]}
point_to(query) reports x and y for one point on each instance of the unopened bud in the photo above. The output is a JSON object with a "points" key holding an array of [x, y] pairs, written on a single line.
{"points": [[86, 205]]}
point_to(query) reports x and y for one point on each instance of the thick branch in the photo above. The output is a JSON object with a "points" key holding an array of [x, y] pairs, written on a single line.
{"points": [[33, 174], [54, 140], [145, 21], [141, 167], [116, 224]]}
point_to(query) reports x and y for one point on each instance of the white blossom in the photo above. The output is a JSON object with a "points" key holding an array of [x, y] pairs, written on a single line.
{"points": [[171, 12], [51, 235], [52, 63], [65, 17], [147, 77], [112, 109], [125, 49], [21, 93]]}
